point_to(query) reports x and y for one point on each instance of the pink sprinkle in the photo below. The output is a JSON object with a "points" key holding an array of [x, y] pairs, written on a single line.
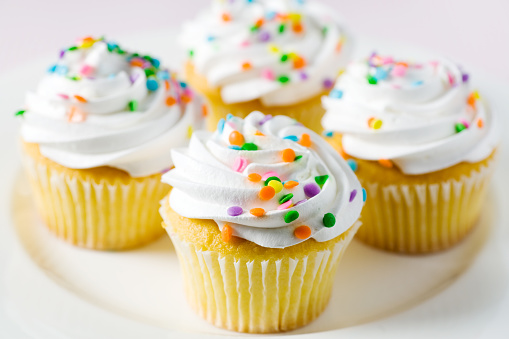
{"points": [[451, 78], [231, 124], [245, 43], [285, 205], [387, 60], [63, 96], [239, 164], [465, 123], [86, 70], [268, 74], [399, 71], [268, 175], [434, 63]]}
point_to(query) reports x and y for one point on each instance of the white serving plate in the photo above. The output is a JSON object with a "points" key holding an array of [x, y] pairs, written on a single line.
{"points": [[49, 289]]}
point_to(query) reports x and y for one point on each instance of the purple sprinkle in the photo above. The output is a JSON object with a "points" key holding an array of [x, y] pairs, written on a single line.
{"points": [[133, 78], [300, 202], [303, 76], [328, 83], [235, 211], [265, 119], [311, 189], [165, 170], [62, 53], [264, 36], [464, 77], [352, 195]]}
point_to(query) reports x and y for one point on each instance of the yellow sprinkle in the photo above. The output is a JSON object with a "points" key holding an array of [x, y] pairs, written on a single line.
{"points": [[189, 131], [276, 185], [377, 124], [292, 55], [273, 48], [295, 17], [476, 95]]}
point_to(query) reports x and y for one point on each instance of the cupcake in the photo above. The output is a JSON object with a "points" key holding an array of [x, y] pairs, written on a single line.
{"points": [[422, 144], [96, 135], [275, 56], [260, 213]]}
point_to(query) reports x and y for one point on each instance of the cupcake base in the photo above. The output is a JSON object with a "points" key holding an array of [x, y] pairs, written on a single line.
{"points": [[308, 112], [243, 287], [101, 208], [420, 213]]}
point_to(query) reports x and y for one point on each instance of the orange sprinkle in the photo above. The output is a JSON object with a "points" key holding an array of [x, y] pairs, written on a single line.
{"points": [[136, 63], [267, 193], [75, 115], [404, 64], [236, 138], [259, 133], [226, 233], [254, 177], [290, 184], [167, 85], [480, 123], [386, 163], [297, 27], [302, 232], [305, 140], [259, 23], [226, 17], [282, 17], [80, 98], [299, 62], [288, 155], [257, 212], [170, 101], [471, 100], [204, 110], [339, 46], [185, 99], [370, 121], [246, 66]]}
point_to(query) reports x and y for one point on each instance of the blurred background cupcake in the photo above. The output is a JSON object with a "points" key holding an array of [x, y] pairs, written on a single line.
{"points": [[422, 144], [275, 56], [96, 135], [260, 213]]}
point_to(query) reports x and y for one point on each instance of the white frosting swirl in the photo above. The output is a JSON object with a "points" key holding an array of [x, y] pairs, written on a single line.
{"points": [[95, 109], [421, 116], [207, 180], [246, 47]]}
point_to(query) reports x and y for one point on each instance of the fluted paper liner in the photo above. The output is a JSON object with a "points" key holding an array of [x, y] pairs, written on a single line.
{"points": [[259, 296], [422, 218], [106, 214]]}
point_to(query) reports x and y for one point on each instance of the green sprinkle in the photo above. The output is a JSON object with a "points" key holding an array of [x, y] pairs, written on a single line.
{"points": [[281, 28], [285, 198], [297, 157], [283, 79], [147, 57], [73, 48], [19, 113], [324, 30], [329, 220], [291, 216], [372, 80], [135, 55], [249, 146], [459, 127], [149, 72], [269, 179], [191, 53], [321, 179], [120, 51], [75, 78], [284, 57], [133, 105], [254, 28]]}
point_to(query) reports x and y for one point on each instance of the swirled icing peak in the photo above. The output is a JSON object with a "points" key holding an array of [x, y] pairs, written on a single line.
{"points": [[268, 180], [420, 116], [100, 105], [279, 51]]}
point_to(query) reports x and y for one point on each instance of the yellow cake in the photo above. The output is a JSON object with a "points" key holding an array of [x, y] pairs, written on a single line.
{"points": [[260, 230]]}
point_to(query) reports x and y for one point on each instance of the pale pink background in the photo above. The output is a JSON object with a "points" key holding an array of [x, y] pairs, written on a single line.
{"points": [[471, 31]]}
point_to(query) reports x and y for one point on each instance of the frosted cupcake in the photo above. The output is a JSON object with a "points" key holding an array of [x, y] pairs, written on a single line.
{"points": [[275, 56], [97, 134], [260, 213], [423, 145]]}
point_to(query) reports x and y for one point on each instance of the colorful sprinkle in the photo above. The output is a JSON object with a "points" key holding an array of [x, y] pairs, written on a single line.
{"points": [[226, 17], [311, 189], [329, 220], [302, 232], [321, 179], [265, 119], [285, 198], [464, 77], [267, 193], [268, 74], [353, 194], [336, 94], [300, 202], [371, 80], [297, 157], [170, 101], [299, 62], [353, 164], [364, 195], [284, 206], [239, 164], [269, 179], [226, 233], [291, 137], [236, 138], [288, 155], [257, 212], [254, 177], [386, 163], [305, 140], [19, 113], [246, 66], [249, 146], [290, 184], [234, 211], [268, 175], [220, 125], [297, 27], [80, 98], [234, 147], [133, 105], [283, 79], [277, 185], [291, 216], [480, 123], [459, 127], [327, 83], [152, 85], [328, 134]]}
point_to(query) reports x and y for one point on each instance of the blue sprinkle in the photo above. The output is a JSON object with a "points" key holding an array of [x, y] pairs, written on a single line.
{"points": [[336, 93], [156, 63], [210, 38], [353, 164], [183, 84], [229, 116], [417, 83], [364, 195], [328, 134], [238, 148], [270, 15], [152, 85], [381, 74], [111, 76], [52, 69], [163, 75], [292, 138], [61, 70], [220, 125], [111, 45]]}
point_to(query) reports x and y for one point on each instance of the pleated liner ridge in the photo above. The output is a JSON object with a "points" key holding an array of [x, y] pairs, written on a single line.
{"points": [[259, 296], [421, 218], [97, 213]]}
